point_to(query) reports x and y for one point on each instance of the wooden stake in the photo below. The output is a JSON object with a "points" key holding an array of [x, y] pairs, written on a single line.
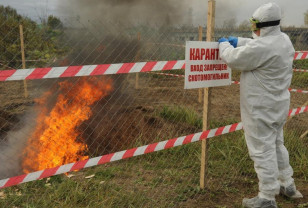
{"points": [[209, 35], [137, 58], [22, 48], [200, 90], [304, 134]]}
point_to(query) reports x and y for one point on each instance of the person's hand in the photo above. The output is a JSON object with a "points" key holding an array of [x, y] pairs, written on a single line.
{"points": [[221, 40], [233, 41]]}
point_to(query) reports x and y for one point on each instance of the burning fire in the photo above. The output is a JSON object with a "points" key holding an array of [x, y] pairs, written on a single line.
{"points": [[56, 140]]}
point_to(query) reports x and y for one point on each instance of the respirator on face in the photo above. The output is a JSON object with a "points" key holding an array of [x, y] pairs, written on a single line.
{"points": [[257, 25]]}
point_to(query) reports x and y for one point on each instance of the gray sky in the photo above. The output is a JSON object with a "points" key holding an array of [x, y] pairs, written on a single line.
{"points": [[293, 10]]}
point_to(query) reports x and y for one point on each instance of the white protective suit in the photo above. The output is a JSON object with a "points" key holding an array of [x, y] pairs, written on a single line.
{"points": [[266, 66]]}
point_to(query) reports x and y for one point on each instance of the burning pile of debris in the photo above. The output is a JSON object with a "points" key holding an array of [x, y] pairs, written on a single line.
{"points": [[56, 139]]}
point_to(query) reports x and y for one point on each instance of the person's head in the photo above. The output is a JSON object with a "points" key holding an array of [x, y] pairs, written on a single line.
{"points": [[266, 19]]}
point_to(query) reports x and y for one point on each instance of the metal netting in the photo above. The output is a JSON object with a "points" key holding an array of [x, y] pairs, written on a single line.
{"points": [[64, 120]]}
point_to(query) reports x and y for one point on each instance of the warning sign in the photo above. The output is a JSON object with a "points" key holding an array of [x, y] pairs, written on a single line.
{"points": [[203, 66]]}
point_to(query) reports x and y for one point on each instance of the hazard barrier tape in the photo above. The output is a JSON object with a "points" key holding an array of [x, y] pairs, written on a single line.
{"points": [[299, 55], [300, 70], [299, 91], [89, 70], [233, 82], [167, 144], [93, 70], [169, 75], [167, 44], [297, 111]]}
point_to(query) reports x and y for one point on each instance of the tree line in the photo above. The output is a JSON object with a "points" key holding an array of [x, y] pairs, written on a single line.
{"points": [[42, 40]]}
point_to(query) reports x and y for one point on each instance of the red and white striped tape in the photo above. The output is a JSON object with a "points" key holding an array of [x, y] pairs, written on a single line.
{"points": [[167, 144], [297, 111], [300, 70], [89, 70], [167, 44], [92, 70], [299, 91], [169, 75], [233, 82], [299, 55]]}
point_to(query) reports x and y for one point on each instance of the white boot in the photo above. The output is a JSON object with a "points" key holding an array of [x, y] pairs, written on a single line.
{"points": [[257, 202], [290, 192]]}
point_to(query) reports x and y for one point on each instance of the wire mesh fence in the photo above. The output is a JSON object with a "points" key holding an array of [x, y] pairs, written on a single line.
{"points": [[69, 119]]}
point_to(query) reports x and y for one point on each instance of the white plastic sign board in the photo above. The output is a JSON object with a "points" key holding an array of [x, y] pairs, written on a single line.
{"points": [[203, 66]]}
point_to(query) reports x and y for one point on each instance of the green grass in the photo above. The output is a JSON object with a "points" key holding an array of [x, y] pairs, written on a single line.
{"points": [[301, 64], [300, 80], [182, 114], [168, 178], [298, 153], [162, 179]]}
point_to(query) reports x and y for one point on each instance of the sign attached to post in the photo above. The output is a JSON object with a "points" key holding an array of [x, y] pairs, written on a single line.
{"points": [[203, 66]]}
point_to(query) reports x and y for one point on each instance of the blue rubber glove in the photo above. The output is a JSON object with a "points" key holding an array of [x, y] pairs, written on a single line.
{"points": [[233, 41], [223, 40]]}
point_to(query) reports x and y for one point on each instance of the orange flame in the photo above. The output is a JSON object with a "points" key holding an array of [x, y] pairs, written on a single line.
{"points": [[56, 140]]}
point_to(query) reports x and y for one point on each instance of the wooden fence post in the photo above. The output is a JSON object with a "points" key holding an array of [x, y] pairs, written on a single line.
{"points": [[22, 48], [209, 35], [200, 89], [137, 58]]}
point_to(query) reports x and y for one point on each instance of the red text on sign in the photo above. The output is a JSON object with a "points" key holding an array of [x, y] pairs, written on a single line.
{"points": [[204, 54], [206, 77], [208, 67]]}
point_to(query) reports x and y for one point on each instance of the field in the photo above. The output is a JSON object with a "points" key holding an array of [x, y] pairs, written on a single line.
{"points": [[85, 117], [159, 109]]}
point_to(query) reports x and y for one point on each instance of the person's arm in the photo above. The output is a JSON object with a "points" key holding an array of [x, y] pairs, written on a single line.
{"points": [[245, 58], [243, 41]]}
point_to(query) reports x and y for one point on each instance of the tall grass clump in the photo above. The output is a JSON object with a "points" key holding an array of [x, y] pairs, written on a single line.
{"points": [[181, 114]]}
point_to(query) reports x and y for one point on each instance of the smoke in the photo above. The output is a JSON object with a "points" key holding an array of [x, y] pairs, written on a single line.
{"points": [[12, 146], [155, 12]]}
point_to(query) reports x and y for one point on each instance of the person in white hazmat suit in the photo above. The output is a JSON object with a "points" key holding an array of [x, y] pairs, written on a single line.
{"points": [[265, 63]]}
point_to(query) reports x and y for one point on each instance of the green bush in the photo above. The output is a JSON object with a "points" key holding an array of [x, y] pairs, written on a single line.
{"points": [[42, 41]]}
